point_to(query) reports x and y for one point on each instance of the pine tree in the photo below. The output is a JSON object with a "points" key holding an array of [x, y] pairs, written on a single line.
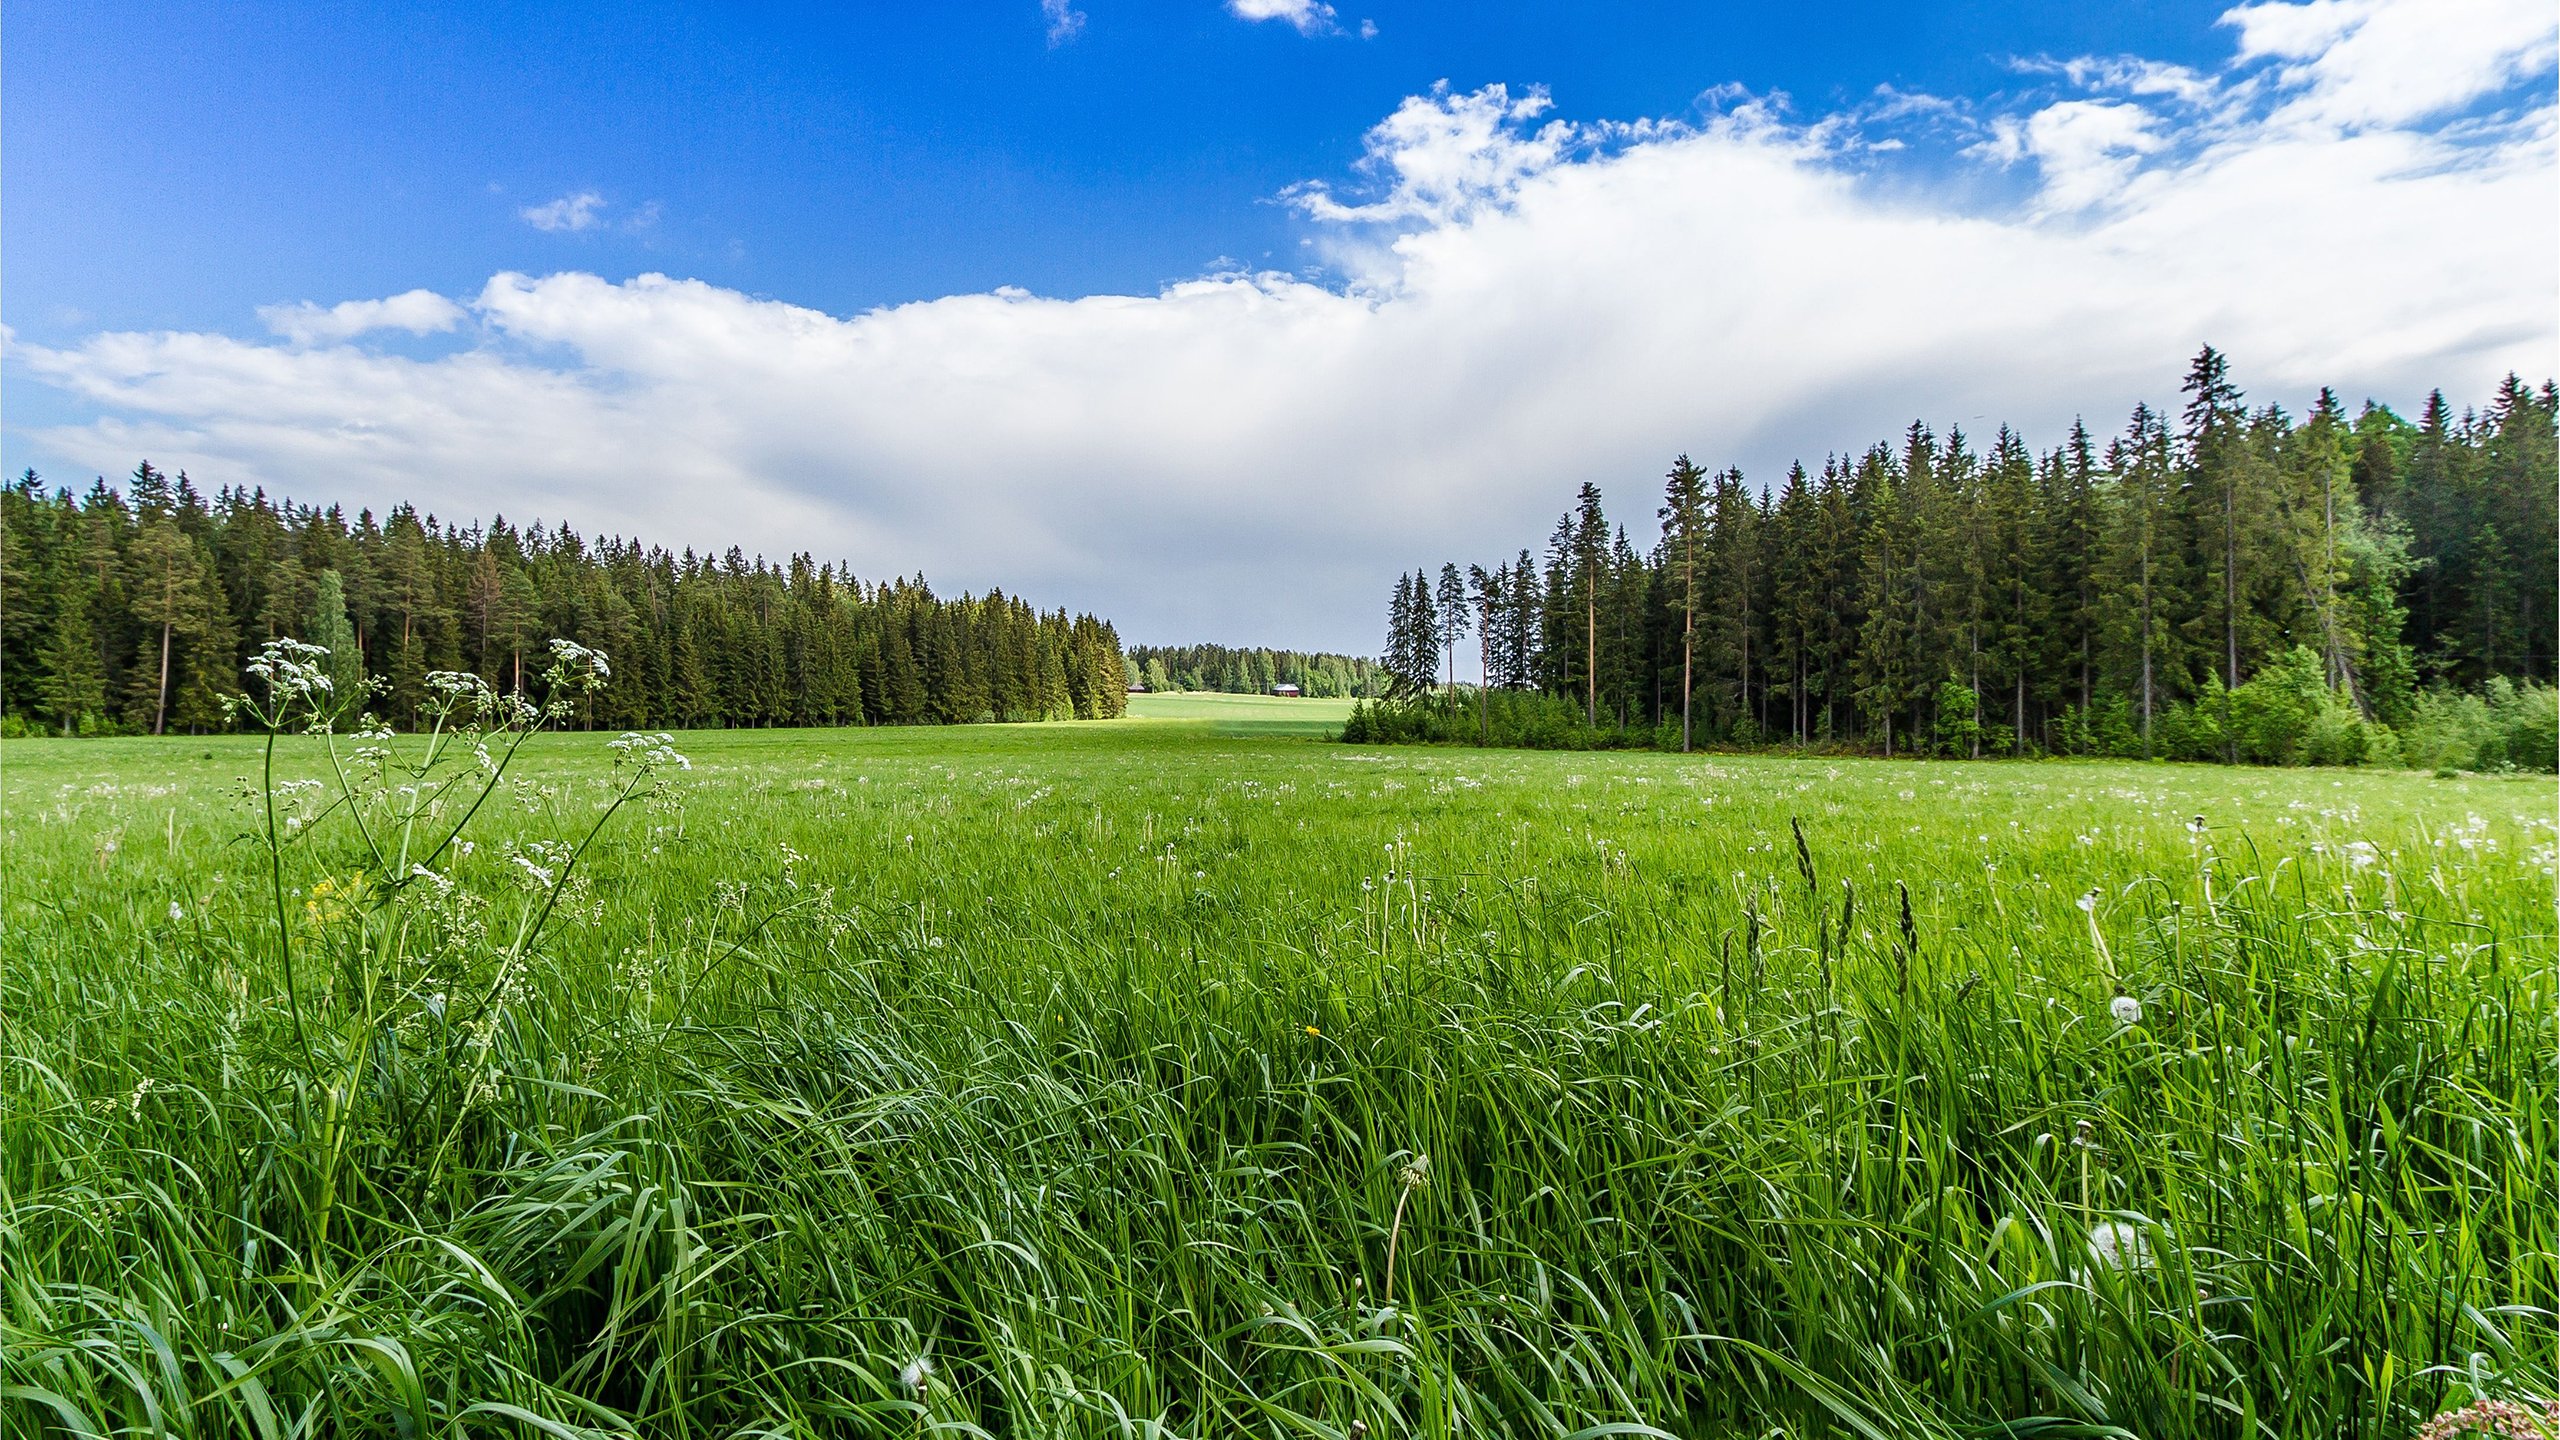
{"points": [[2014, 607], [1684, 525], [1882, 664], [1589, 540], [1451, 612], [2141, 564], [166, 581]]}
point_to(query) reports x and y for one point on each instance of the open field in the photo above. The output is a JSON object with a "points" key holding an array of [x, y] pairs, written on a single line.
{"points": [[1245, 714], [1096, 1062]]}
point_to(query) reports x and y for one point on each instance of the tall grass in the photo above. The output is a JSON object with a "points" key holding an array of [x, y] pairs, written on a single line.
{"points": [[1097, 1067]]}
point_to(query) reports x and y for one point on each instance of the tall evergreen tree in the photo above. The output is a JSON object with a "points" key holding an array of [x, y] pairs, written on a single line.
{"points": [[1684, 530]]}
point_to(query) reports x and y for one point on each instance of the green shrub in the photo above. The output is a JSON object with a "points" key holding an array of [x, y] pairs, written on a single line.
{"points": [[1959, 733], [2527, 718], [2505, 727]]}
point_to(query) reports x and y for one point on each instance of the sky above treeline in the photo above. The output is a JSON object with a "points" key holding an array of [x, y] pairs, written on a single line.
{"points": [[1214, 317]]}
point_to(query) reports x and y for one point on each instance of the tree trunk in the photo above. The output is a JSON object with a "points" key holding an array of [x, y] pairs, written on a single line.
{"points": [[2230, 591], [1591, 653], [160, 713], [1688, 627], [2146, 653], [1977, 705]]}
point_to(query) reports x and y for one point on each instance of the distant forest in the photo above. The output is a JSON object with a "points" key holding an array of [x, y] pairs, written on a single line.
{"points": [[2224, 583], [1231, 670], [133, 611]]}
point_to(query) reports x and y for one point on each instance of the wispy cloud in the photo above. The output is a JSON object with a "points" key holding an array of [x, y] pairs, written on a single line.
{"points": [[1065, 21], [2359, 63], [1307, 17], [581, 211], [1518, 304]]}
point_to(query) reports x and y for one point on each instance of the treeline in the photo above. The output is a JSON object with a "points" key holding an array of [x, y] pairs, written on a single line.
{"points": [[133, 610], [1234, 670], [2227, 583]]}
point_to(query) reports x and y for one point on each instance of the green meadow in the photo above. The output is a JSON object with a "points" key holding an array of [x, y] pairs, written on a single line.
{"points": [[1189, 1076], [1246, 715]]}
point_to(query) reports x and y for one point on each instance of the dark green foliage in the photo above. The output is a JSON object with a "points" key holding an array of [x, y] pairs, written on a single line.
{"points": [[2218, 584], [134, 611], [1230, 670]]}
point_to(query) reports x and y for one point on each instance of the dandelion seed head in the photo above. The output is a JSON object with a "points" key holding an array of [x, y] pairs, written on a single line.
{"points": [[2118, 1246]]}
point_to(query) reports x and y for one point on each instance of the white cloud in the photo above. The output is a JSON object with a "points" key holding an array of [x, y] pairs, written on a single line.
{"points": [[1308, 17], [581, 211], [2088, 149], [2388, 62], [420, 312], [1444, 156], [1065, 21], [2130, 74], [1530, 303]]}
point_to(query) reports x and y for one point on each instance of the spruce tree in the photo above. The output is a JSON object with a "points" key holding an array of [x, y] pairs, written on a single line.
{"points": [[1450, 610], [1684, 525], [327, 626]]}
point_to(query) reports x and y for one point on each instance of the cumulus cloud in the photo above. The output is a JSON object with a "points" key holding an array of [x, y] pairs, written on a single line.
{"points": [[581, 211], [420, 312], [1441, 157], [1307, 17], [1516, 304]]}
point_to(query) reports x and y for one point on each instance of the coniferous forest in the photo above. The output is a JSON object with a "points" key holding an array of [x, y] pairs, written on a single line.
{"points": [[1251, 670], [2226, 582], [133, 611]]}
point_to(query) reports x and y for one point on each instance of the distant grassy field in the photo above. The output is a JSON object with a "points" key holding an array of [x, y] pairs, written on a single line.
{"points": [[1095, 1065], [1246, 714]]}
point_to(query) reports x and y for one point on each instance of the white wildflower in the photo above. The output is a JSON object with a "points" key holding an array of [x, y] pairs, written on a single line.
{"points": [[2126, 1009], [916, 1374], [291, 670], [648, 752]]}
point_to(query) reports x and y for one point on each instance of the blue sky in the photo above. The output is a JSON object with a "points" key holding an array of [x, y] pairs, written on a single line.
{"points": [[177, 166], [1210, 321]]}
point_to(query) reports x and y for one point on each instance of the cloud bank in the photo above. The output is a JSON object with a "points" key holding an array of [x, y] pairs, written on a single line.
{"points": [[1508, 305]]}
